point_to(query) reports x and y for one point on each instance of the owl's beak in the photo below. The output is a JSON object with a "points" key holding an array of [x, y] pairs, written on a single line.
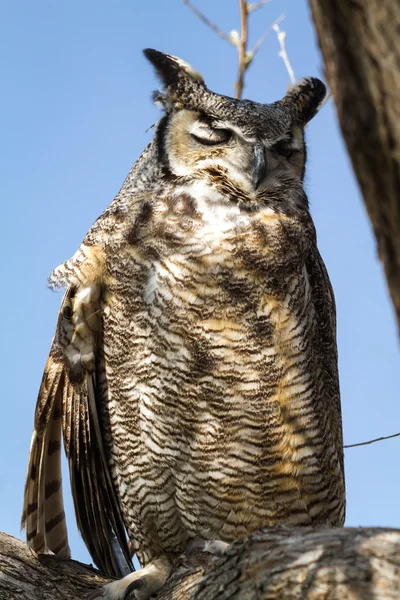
{"points": [[258, 165]]}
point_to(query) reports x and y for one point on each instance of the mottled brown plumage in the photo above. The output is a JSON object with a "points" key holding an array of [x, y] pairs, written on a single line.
{"points": [[194, 367]]}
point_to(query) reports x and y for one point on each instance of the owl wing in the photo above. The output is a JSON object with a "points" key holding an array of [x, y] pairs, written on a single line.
{"points": [[325, 312], [68, 402]]}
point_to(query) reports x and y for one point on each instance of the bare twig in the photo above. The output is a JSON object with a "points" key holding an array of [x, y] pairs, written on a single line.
{"points": [[283, 54], [386, 437], [239, 41], [207, 21], [252, 7], [264, 36], [242, 48]]}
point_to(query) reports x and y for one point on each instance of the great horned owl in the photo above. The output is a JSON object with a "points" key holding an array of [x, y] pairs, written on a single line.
{"points": [[193, 372]]}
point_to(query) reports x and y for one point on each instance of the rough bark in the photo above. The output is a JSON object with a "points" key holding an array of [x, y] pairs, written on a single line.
{"points": [[360, 43], [279, 564]]}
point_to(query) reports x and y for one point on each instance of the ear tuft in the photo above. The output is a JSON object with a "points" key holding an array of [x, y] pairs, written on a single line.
{"points": [[304, 99], [171, 69]]}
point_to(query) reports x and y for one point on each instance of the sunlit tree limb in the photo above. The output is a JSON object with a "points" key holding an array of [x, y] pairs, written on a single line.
{"points": [[361, 51], [282, 563]]}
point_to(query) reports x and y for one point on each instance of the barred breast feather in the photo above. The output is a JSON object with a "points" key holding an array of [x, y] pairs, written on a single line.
{"points": [[225, 414]]}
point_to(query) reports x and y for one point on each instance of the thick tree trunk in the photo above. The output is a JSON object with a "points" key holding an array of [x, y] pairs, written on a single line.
{"points": [[360, 43], [279, 564]]}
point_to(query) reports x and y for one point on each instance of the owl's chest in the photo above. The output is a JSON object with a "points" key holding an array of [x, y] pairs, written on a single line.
{"points": [[226, 265], [211, 310], [213, 325], [208, 317], [209, 359], [208, 303], [223, 257]]}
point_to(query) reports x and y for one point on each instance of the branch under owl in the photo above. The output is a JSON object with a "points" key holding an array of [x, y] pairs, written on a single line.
{"points": [[285, 563]]}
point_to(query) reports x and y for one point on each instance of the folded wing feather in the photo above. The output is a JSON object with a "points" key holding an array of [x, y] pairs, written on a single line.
{"points": [[68, 402]]}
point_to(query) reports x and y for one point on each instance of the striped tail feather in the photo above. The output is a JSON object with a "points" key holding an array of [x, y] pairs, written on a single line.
{"points": [[43, 509]]}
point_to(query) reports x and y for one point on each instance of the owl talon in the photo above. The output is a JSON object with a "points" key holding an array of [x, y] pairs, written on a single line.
{"points": [[215, 547], [144, 583]]}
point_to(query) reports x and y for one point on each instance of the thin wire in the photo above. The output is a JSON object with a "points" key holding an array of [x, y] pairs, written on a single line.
{"points": [[386, 437]]}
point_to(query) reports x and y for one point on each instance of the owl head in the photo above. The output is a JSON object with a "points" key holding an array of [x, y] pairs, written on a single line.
{"points": [[248, 144]]}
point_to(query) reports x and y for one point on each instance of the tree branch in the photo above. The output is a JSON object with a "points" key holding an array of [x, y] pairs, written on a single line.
{"points": [[264, 36], [256, 6], [207, 22], [380, 439], [283, 54], [245, 57], [360, 46], [285, 563], [242, 48]]}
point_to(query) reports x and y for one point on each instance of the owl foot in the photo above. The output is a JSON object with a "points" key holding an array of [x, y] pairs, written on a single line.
{"points": [[143, 583], [200, 552], [215, 547]]}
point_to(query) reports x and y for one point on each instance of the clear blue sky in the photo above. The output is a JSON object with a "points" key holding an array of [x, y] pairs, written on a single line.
{"points": [[75, 103]]}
